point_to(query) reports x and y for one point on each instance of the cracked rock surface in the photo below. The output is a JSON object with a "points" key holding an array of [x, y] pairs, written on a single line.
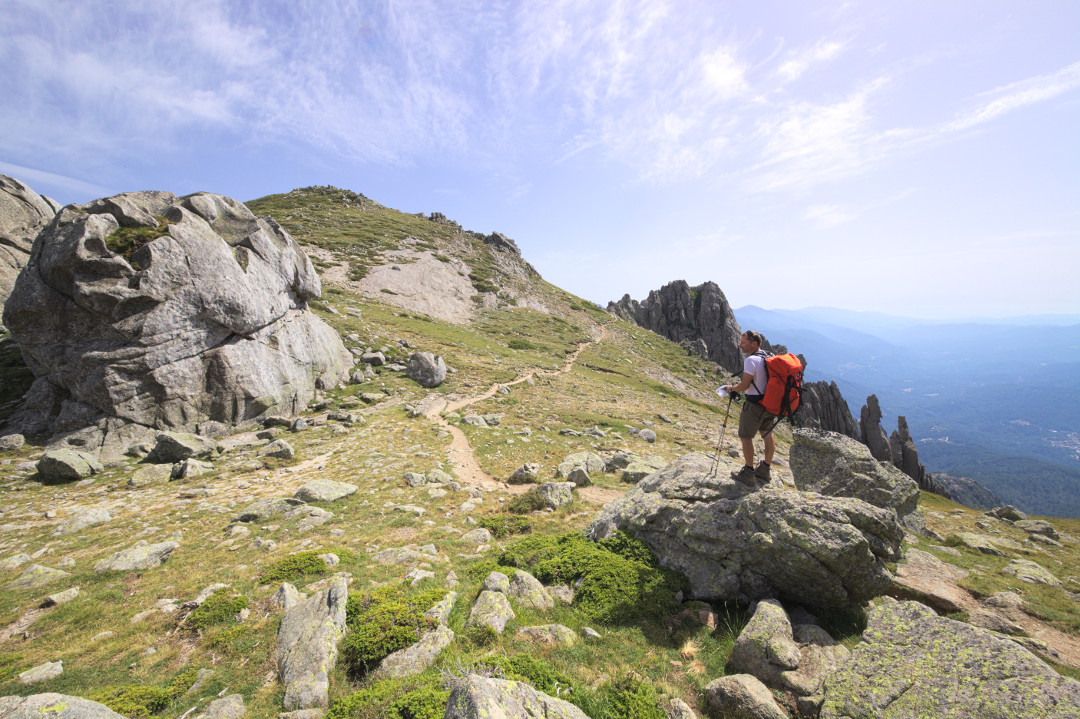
{"points": [[162, 312], [739, 544]]}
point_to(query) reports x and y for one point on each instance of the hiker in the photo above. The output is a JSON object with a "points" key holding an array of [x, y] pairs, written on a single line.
{"points": [[754, 417]]}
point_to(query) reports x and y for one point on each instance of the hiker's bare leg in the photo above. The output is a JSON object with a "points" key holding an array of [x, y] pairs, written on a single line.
{"points": [[748, 450], [770, 447]]}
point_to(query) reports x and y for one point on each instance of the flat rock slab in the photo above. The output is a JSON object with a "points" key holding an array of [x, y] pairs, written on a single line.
{"points": [[913, 663], [67, 465], [82, 519], [743, 696], [416, 658], [405, 555], [980, 543], [1028, 571], [478, 697], [36, 575], [54, 706], [324, 490], [925, 578], [307, 646], [267, 507], [230, 707], [141, 557], [549, 635], [48, 670], [492, 609]]}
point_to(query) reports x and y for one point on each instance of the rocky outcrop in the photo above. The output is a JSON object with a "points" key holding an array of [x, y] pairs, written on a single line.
{"points": [[686, 314], [832, 464], [912, 662], [823, 407], [156, 311], [737, 544], [307, 646], [965, 491], [873, 436], [904, 454], [23, 214]]}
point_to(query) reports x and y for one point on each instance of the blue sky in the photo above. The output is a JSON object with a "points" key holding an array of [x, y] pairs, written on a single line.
{"points": [[918, 158]]}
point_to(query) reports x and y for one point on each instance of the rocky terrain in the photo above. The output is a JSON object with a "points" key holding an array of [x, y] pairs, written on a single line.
{"points": [[514, 505]]}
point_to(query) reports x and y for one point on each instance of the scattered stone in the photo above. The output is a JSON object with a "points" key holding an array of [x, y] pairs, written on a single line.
{"points": [[556, 494], [173, 447], [279, 449], [307, 646], [549, 635], [527, 473], [1008, 512], [742, 696], [766, 646], [1037, 526], [477, 536], [980, 543], [562, 594], [324, 490], [53, 706], [587, 461], [11, 442], [42, 672], [67, 465], [528, 592], [474, 420], [228, 707], [267, 507], [437, 476], [416, 658], [440, 611], [59, 598], [496, 582], [1028, 571], [590, 633], [406, 555], [426, 369], [82, 519], [190, 468], [579, 477], [36, 575], [648, 435], [14, 562], [492, 609], [138, 558], [912, 662], [417, 575], [375, 359], [476, 697]]}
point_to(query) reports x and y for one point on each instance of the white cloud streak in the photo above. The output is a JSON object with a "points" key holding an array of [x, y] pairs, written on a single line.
{"points": [[1019, 95]]}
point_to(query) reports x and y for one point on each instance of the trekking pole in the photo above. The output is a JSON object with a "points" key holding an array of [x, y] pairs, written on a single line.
{"points": [[720, 444]]}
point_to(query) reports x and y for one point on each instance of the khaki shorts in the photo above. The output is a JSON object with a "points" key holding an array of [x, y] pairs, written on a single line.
{"points": [[753, 419]]}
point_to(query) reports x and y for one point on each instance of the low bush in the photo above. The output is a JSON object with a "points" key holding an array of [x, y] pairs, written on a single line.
{"points": [[526, 668], [303, 564], [413, 698], [504, 526], [382, 622], [138, 701], [625, 698], [612, 586], [218, 608], [531, 501]]}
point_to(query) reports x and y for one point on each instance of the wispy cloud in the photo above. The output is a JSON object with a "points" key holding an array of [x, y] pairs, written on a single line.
{"points": [[41, 178], [800, 61], [827, 216], [1019, 95]]}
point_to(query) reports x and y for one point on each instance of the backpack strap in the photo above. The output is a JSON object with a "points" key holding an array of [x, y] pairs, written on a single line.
{"points": [[763, 355]]}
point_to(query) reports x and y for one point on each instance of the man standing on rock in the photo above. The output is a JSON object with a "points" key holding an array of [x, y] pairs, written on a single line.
{"points": [[754, 418]]}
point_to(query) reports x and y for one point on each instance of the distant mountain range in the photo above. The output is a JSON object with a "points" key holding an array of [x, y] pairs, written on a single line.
{"points": [[994, 399]]}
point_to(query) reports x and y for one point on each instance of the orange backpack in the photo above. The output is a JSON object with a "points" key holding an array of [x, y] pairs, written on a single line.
{"points": [[784, 386]]}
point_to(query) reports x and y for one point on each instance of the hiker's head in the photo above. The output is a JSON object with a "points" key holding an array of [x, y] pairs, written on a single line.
{"points": [[750, 341]]}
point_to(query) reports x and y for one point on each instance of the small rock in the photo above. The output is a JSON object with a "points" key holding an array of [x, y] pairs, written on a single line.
{"points": [[40, 673]]}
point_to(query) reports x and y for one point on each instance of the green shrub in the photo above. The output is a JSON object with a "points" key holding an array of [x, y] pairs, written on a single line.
{"points": [[138, 701], [531, 501], [218, 608], [526, 668], [504, 526], [481, 636], [622, 699], [126, 241], [413, 698], [612, 586], [295, 566], [516, 344], [382, 622]]}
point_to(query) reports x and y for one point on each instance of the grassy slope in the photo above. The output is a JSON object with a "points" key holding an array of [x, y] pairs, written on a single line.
{"points": [[630, 376]]}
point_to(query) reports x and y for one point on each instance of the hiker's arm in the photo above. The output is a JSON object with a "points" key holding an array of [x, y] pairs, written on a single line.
{"points": [[743, 385]]}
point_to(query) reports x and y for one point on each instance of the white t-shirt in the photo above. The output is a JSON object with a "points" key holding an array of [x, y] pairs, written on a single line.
{"points": [[754, 366]]}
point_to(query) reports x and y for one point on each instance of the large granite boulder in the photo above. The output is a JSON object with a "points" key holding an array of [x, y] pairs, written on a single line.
{"points": [[833, 464], [166, 312], [426, 369], [737, 544], [23, 214], [912, 662], [684, 313]]}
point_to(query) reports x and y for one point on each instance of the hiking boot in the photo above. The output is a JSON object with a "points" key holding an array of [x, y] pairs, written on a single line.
{"points": [[763, 472], [744, 475]]}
